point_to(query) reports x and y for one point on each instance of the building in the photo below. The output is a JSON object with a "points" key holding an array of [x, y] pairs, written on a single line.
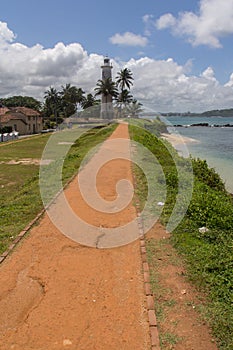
{"points": [[22, 119], [106, 101]]}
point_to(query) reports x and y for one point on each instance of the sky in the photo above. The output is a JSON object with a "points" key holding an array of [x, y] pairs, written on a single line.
{"points": [[180, 52]]}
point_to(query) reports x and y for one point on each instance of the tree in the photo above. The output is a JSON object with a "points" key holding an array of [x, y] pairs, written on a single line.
{"points": [[70, 97], [22, 101], [72, 94], [134, 108], [124, 97], [80, 95], [89, 101], [124, 79], [105, 88], [53, 104]]}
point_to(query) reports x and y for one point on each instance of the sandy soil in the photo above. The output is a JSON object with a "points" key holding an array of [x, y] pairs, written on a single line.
{"points": [[24, 161], [176, 139], [58, 294]]}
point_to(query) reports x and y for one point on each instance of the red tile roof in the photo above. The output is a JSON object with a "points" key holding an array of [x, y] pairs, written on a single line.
{"points": [[12, 116], [16, 113], [26, 111]]}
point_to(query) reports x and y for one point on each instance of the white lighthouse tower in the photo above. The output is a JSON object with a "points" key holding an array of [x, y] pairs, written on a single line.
{"points": [[106, 100]]}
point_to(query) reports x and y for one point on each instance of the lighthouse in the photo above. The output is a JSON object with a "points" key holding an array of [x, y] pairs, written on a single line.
{"points": [[106, 69], [106, 100]]}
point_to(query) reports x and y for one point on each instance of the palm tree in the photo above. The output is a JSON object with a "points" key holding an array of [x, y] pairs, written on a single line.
{"points": [[124, 97], [80, 95], [106, 88], [91, 107], [52, 94], [89, 101], [134, 108], [71, 95], [52, 102], [124, 79]]}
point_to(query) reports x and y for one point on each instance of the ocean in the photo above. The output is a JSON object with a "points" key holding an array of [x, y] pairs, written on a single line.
{"points": [[215, 144]]}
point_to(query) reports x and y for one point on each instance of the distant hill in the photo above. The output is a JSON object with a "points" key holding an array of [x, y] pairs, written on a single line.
{"points": [[213, 113], [219, 113]]}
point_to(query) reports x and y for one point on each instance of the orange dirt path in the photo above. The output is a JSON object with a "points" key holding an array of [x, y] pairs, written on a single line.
{"points": [[58, 294]]}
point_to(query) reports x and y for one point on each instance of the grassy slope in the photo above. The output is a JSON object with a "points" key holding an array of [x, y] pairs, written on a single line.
{"points": [[208, 255], [20, 199]]}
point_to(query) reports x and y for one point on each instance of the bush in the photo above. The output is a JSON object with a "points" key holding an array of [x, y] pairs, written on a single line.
{"points": [[209, 254], [207, 175]]}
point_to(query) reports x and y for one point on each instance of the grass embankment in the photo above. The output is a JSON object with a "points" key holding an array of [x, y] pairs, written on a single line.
{"points": [[20, 199], [208, 255]]}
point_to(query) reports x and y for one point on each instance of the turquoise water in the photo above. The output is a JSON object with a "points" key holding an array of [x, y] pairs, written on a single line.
{"points": [[215, 144]]}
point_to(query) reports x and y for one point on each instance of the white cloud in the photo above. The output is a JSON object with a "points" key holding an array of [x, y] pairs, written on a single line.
{"points": [[6, 35], [68, 58], [162, 85], [165, 21], [31, 70], [213, 21], [230, 82], [209, 74], [148, 20], [128, 39]]}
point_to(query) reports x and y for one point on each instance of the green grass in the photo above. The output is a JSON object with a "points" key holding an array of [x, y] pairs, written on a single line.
{"points": [[168, 339], [31, 147], [20, 199], [209, 255], [13, 176], [163, 296], [155, 125]]}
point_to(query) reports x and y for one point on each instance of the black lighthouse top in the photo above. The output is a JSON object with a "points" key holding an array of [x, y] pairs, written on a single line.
{"points": [[106, 69], [106, 61]]}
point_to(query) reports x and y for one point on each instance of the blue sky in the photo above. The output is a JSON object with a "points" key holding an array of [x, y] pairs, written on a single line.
{"points": [[188, 45]]}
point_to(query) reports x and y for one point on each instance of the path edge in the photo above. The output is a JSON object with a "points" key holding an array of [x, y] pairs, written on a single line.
{"points": [[150, 305]]}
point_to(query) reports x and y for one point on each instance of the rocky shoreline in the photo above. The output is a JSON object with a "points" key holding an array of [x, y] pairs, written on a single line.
{"points": [[206, 125]]}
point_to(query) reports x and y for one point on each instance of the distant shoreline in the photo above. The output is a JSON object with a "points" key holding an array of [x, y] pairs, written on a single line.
{"points": [[176, 139], [180, 143], [206, 125]]}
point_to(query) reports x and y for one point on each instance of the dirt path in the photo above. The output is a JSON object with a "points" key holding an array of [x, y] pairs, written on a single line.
{"points": [[180, 324], [58, 294]]}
